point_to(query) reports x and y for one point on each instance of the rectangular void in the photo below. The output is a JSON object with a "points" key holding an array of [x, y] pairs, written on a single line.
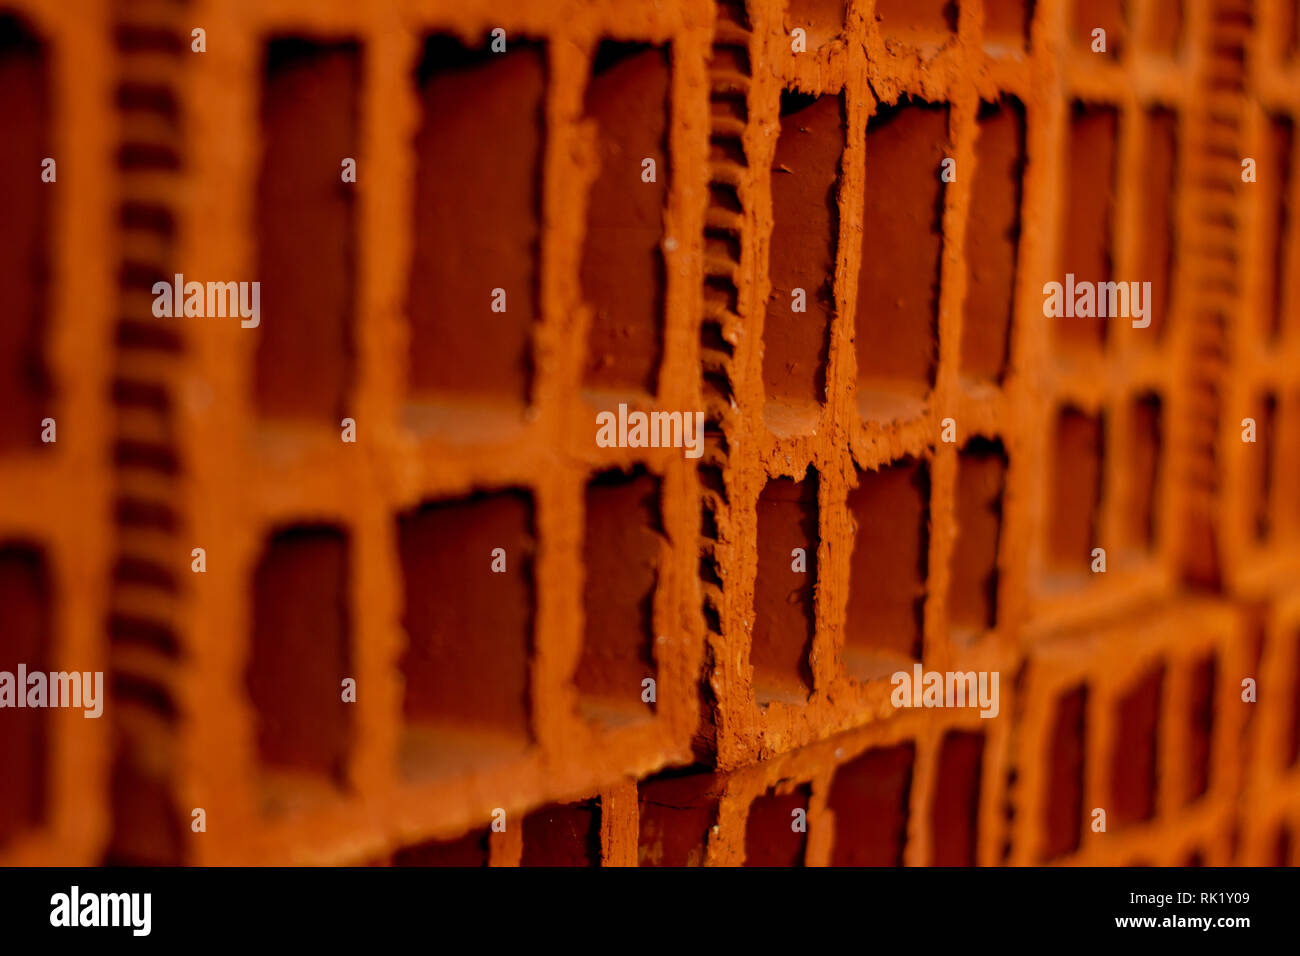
{"points": [[821, 20], [897, 323], [1261, 462], [301, 652], [677, 810], [1159, 174], [563, 834], [468, 612], [993, 239], [26, 269], [1007, 22], [917, 19], [954, 811], [888, 568], [1275, 179], [1165, 26], [1063, 805], [622, 270], [1200, 741], [1076, 489], [1108, 15], [1146, 447], [805, 228], [1282, 845], [973, 587], [306, 230], [468, 850], [1089, 196], [477, 221], [25, 638], [1134, 757], [623, 541], [1292, 745], [869, 799], [776, 830], [784, 614]]}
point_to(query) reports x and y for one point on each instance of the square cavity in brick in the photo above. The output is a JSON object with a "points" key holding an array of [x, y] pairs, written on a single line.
{"points": [[473, 292], [821, 20], [888, 568], [25, 240], [622, 552], [677, 809], [301, 654], [954, 811], [898, 282], [1276, 181], [1134, 757], [973, 591], [1261, 464], [1200, 742], [1165, 26], [1076, 489], [1086, 222], [1159, 173], [1145, 452], [468, 850], [776, 833], [25, 638], [869, 799], [917, 19], [805, 187], [563, 834], [467, 577], [784, 615], [1007, 22], [622, 269], [147, 830], [993, 239], [1108, 15], [306, 230], [1063, 806]]}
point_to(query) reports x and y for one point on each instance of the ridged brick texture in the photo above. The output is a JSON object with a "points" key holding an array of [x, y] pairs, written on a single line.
{"points": [[904, 462]]}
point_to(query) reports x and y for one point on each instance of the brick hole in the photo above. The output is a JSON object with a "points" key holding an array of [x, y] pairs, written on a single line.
{"points": [[1145, 452], [563, 834], [981, 481], [26, 249], [1291, 751], [306, 230], [993, 237], [1007, 22], [137, 572], [468, 850], [1087, 215], [725, 197], [1263, 461], [1195, 858], [1282, 846], [677, 810], [823, 20], [733, 11], [1110, 15], [1159, 173], [888, 569], [1288, 38], [954, 814], [898, 284], [1280, 140], [1063, 808], [1076, 489], [477, 222], [624, 535], [728, 106], [301, 627], [869, 800], [1200, 744], [784, 614], [1166, 26], [711, 339], [917, 18], [25, 638], [469, 629], [1134, 761], [805, 184], [622, 269], [720, 294], [147, 831], [770, 839]]}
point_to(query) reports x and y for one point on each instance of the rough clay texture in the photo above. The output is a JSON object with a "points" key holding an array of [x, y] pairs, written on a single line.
{"points": [[515, 695]]}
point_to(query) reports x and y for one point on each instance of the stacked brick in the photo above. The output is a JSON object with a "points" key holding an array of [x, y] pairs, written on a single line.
{"points": [[434, 622]]}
